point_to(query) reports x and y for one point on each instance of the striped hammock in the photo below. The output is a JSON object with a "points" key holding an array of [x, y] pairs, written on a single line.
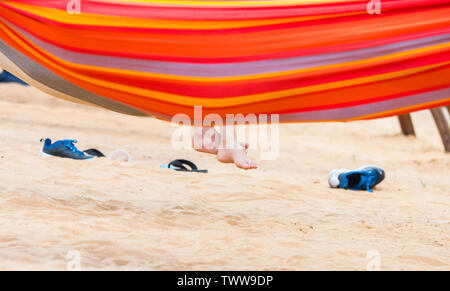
{"points": [[304, 60]]}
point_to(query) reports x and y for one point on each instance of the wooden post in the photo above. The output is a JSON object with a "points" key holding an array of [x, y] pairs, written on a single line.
{"points": [[442, 125], [406, 124]]}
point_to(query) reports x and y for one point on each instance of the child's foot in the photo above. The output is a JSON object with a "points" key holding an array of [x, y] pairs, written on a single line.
{"points": [[206, 140], [238, 156], [209, 145]]}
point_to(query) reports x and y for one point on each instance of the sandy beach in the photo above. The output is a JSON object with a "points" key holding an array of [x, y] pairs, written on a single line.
{"points": [[283, 216]]}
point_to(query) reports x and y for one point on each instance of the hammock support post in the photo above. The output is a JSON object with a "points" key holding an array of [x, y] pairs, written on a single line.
{"points": [[442, 125], [406, 124]]}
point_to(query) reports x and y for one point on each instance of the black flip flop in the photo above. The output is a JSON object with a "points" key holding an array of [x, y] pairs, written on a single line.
{"points": [[184, 166], [95, 153]]}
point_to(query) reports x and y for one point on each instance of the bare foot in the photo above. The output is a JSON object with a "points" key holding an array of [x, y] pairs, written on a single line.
{"points": [[206, 140], [245, 145], [238, 156]]}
